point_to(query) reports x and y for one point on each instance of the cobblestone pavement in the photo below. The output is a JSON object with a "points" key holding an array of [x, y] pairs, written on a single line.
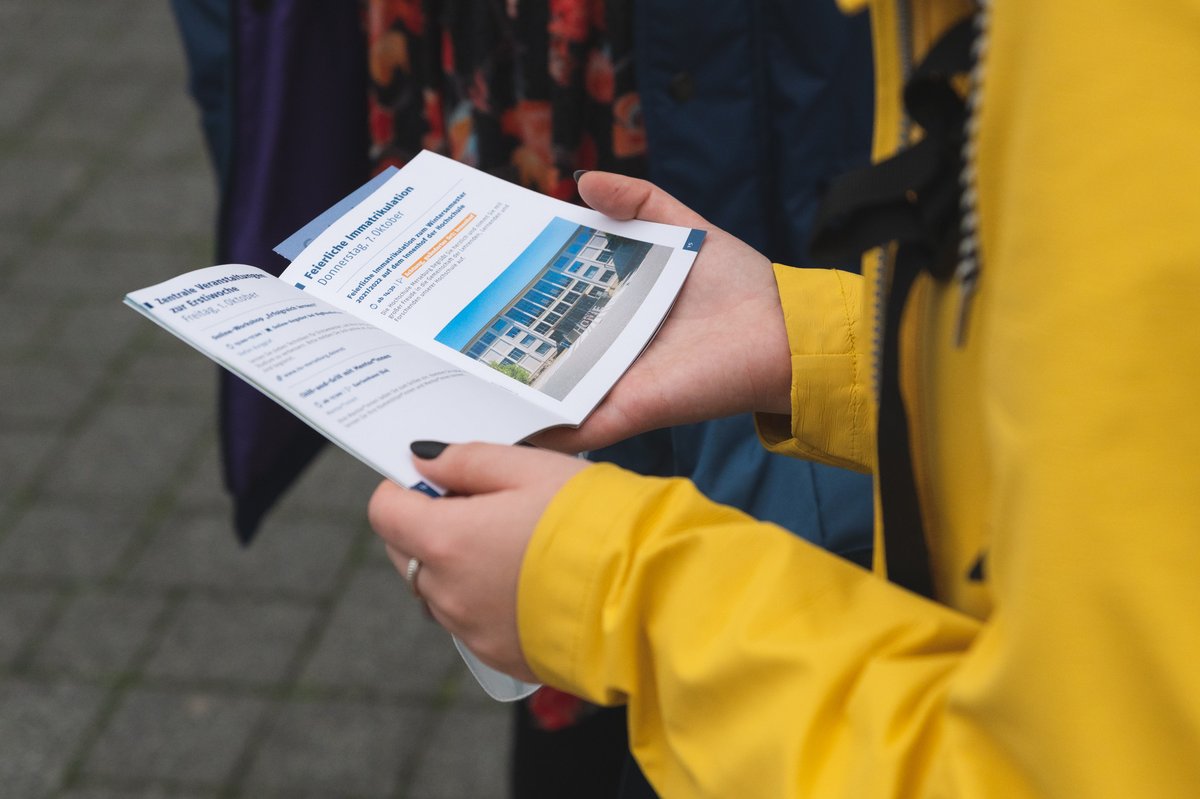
{"points": [[143, 653]]}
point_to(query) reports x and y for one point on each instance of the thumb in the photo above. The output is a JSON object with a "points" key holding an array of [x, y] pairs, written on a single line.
{"points": [[629, 198]]}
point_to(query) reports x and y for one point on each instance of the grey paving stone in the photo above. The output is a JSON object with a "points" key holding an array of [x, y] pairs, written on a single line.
{"points": [[337, 483], [376, 553], [99, 272], [68, 542], [192, 737], [240, 641], [57, 24], [146, 203], [92, 334], [203, 487], [22, 90], [380, 641], [170, 137], [44, 392], [149, 792], [127, 453], [181, 377], [22, 323], [99, 633], [21, 617], [22, 453], [468, 755], [301, 558], [93, 116], [36, 185], [147, 40], [14, 240], [41, 726], [333, 749]]}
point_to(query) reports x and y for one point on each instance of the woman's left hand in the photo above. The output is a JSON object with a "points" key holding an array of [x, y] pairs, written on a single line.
{"points": [[471, 543]]}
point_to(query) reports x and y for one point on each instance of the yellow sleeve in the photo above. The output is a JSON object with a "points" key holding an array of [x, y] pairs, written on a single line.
{"points": [[831, 395], [755, 664]]}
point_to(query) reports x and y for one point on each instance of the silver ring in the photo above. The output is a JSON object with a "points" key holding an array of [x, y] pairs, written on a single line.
{"points": [[410, 575]]}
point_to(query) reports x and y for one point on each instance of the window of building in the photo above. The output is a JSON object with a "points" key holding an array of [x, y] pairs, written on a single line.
{"points": [[547, 287], [562, 307], [574, 248], [596, 292], [487, 338], [583, 236], [513, 332], [529, 339], [499, 325], [529, 307], [516, 354], [605, 256], [573, 296], [561, 262], [539, 298], [607, 276], [507, 362], [552, 318], [581, 285], [591, 270], [519, 317], [575, 267], [477, 349], [544, 348], [542, 328], [558, 277]]}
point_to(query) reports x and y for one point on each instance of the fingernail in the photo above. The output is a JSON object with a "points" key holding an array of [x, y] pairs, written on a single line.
{"points": [[427, 450], [580, 173]]}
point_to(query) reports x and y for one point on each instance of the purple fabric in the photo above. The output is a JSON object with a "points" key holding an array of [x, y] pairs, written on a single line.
{"points": [[299, 145]]}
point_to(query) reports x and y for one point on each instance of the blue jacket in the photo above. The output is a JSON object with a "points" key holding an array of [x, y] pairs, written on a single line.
{"points": [[749, 108]]}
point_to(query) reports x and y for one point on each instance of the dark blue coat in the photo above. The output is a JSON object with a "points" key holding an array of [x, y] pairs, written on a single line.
{"points": [[750, 107]]}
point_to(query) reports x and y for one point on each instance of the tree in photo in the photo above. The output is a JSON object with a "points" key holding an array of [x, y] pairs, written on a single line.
{"points": [[513, 371]]}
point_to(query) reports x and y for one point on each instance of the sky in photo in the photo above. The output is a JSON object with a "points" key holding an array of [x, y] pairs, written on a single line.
{"points": [[489, 302]]}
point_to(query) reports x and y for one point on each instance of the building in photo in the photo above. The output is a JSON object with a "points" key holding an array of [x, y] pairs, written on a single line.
{"points": [[557, 304]]}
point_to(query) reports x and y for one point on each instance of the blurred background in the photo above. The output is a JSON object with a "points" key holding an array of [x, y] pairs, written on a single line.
{"points": [[143, 651]]}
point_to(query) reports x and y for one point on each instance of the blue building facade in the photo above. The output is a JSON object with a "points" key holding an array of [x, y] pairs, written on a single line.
{"points": [[559, 303]]}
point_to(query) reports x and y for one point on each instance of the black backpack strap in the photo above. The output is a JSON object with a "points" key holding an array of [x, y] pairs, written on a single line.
{"points": [[911, 199]]}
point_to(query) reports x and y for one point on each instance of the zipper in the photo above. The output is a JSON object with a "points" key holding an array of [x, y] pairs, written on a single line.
{"points": [[966, 274], [885, 259]]}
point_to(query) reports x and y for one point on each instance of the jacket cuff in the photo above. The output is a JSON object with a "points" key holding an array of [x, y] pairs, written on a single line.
{"points": [[830, 391]]}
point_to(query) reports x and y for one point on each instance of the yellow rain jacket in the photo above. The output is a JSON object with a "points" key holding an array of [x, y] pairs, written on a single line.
{"points": [[1057, 455]]}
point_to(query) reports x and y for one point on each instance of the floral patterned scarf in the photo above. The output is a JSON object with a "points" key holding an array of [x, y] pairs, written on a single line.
{"points": [[529, 91]]}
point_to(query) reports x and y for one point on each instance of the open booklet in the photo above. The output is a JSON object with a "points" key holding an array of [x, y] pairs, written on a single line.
{"points": [[437, 303]]}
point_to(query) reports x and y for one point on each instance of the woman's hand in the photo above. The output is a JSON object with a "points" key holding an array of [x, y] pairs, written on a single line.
{"points": [[471, 543], [723, 348]]}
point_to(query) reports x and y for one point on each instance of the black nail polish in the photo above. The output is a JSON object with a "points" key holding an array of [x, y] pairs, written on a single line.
{"points": [[580, 173], [427, 450]]}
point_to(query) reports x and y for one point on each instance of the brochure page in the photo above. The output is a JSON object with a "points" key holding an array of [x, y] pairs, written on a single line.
{"points": [[541, 298], [364, 389]]}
